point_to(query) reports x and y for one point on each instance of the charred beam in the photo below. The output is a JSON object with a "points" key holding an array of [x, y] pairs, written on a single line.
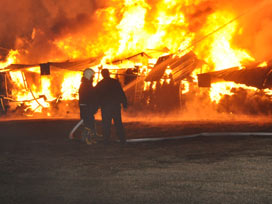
{"points": [[259, 77]]}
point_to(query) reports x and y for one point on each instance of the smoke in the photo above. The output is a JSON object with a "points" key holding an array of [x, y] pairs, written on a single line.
{"points": [[34, 24], [261, 33], [256, 35], [253, 34]]}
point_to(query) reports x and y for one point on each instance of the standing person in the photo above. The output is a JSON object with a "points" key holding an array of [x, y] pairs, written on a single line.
{"points": [[111, 96], [88, 104]]}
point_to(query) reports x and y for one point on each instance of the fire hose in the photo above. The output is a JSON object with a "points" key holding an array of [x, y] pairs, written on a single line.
{"points": [[204, 134], [71, 134], [27, 86]]}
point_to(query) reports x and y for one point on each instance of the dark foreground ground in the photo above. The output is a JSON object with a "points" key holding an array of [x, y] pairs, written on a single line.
{"points": [[38, 164]]}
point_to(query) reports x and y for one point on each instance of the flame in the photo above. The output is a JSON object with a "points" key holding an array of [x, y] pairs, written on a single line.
{"points": [[127, 27], [185, 87], [24, 93], [70, 85], [222, 54], [46, 88], [263, 64], [268, 92], [218, 51], [11, 59], [36, 98], [17, 77], [168, 71], [21, 91], [147, 85], [154, 84], [224, 88], [130, 33]]}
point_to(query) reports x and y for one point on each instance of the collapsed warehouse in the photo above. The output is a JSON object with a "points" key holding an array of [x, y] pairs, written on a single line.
{"points": [[135, 73], [165, 56], [252, 95], [162, 87]]}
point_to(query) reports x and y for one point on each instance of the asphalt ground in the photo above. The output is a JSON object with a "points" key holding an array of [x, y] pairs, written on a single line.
{"points": [[39, 164]]}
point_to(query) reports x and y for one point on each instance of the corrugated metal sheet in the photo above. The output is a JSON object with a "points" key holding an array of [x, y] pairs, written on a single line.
{"points": [[257, 77], [181, 67], [78, 65]]}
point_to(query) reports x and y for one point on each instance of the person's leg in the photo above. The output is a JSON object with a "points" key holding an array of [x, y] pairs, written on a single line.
{"points": [[88, 132], [92, 131], [118, 124], [86, 123], [92, 123], [87, 116], [94, 135], [106, 123]]}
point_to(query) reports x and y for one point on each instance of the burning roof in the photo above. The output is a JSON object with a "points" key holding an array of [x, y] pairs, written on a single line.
{"points": [[181, 67], [75, 65], [259, 77]]}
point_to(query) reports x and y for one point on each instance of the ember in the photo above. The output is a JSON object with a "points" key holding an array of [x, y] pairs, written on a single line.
{"points": [[163, 52]]}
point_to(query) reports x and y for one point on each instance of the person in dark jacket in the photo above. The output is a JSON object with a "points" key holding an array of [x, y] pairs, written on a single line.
{"points": [[88, 104], [111, 96]]}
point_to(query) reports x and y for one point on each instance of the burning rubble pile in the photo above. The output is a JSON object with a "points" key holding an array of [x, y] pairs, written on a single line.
{"points": [[166, 54]]}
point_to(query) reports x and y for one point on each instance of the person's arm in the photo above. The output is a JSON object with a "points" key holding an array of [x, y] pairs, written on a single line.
{"points": [[98, 93], [123, 96], [82, 94]]}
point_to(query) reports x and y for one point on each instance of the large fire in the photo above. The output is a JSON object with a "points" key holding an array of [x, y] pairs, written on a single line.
{"points": [[120, 29]]}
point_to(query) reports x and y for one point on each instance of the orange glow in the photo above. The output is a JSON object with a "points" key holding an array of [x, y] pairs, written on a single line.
{"points": [[147, 85], [17, 77], [46, 87], [154, 85], [263, 64], [224, 88], [11, 59], [168, 71], [222, 54], [185, 87], [128, 27], [70, 85], [23, 93]]}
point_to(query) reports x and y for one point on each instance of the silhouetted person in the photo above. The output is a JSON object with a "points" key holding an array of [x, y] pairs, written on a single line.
{"points": [[111, 96], [88, 104]]}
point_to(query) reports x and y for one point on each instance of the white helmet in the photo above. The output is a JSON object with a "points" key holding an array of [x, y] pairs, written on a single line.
{"points": [[88, 73]]}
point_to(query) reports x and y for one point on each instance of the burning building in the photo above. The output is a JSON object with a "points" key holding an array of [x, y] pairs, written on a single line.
{"points": [[160, 50]]}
